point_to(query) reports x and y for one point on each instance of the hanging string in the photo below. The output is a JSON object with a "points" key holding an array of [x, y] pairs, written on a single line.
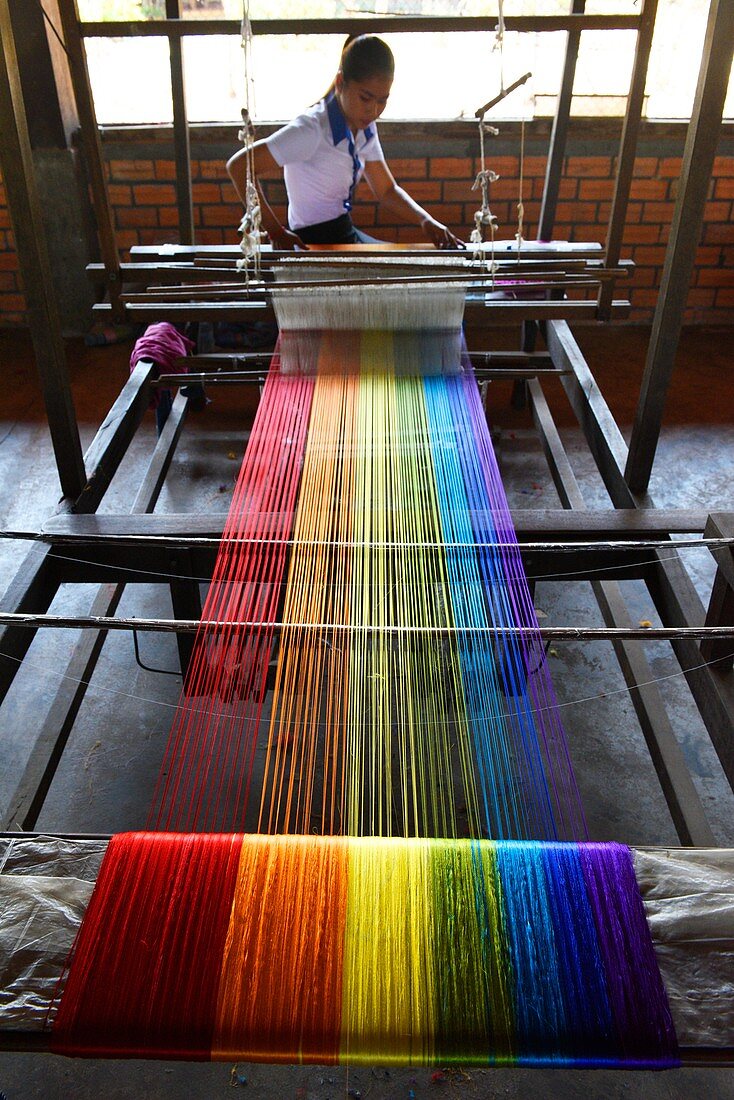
{"points": [[520, 206], [250, 227], [484, 218]]}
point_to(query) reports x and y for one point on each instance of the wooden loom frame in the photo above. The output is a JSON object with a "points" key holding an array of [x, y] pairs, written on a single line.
{"points": [[175, 548]]}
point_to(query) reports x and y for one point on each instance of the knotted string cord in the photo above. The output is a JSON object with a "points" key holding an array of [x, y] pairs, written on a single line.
{"points": [[484, 218], [251, 225]]}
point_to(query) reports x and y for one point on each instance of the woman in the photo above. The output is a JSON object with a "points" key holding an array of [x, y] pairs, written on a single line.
{"points": [[324, 153]]}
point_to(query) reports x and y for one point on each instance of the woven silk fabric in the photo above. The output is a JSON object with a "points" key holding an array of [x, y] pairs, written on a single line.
{"points": [[364, 950]]}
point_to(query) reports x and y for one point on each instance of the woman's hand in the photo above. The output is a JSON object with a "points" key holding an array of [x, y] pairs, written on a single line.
{"points": [[440, 234], [286, 241]]}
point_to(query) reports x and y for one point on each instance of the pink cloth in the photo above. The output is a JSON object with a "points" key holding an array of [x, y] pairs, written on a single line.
{"points": [[163, 344]]}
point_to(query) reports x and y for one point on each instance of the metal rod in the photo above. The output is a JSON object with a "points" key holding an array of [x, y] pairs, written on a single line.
{"points": [[256, 378], [481, 112], [177, 542], [183, 626]]}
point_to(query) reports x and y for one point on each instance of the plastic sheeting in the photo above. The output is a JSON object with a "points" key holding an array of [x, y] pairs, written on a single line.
{"points": [[689, 900], [46, 884], [45, 887]]}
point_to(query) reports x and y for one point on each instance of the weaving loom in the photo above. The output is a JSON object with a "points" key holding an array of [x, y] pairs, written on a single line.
{"points": [[408, 656]]}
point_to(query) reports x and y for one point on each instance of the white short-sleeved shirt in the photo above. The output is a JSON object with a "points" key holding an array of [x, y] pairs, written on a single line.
{"points": [[321, 162]]}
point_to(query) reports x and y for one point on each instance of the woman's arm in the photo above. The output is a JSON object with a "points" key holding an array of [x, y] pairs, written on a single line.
{"points": [[264, 161], [388, 193]]}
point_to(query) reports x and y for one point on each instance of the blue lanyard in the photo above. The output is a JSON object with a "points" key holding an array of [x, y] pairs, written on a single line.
{"points": [[356, 167]]}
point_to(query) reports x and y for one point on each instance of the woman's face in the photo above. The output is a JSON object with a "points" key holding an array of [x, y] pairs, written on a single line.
{"points": [[362, 101]]}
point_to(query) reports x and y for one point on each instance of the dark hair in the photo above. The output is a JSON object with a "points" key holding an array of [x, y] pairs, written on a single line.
{"points": [[363, 57], [366, 56]]}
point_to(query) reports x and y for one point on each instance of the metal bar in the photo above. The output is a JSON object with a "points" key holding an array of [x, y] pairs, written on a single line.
{"points": [[181, 144], [721, 601], [16, 162], [559, 133], [481, 111], [666, 754], [503, 311], [89, 133], [628, 147], [554, 633], [604, 545], [375, 25], [698, 159]]}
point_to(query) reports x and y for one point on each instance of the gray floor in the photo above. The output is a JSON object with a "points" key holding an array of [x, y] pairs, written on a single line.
{"points": [[106, 776]]}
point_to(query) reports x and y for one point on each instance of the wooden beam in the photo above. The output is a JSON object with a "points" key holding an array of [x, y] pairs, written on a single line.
{"points": [[628, 147], [698, 159], [666, 753], [51, 739], [16, 163], [559, 133], [181, 143], [376, 24], [721, 601], [89, 132]]}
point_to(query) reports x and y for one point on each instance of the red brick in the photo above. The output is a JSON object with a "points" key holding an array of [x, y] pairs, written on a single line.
{"points": [[576, 211], [214, 170], [642, 276], [724, 188], [452, 168], [717, 211], [211, 236], [675, 188], [641, 234], [426, 190], [8, 282], [649, 255], [220, 215], [718, 233], [649, 189], [644, 297], [154, 194], [723, 166], [596, 189], [715, 276], [700, 298], [658, 211], [120, 194], [503, 166], [462, 192], [534, 166], [228, 192], [501, 189], [207, 193], [645, 167], [165, 169], [131, 170], [5, 222], [589, 167], [129, 217], [409, 168], [8, 261], [588, 232], [669, 167], [126, 238], [168, 216], [12, 303], [710, 256]]}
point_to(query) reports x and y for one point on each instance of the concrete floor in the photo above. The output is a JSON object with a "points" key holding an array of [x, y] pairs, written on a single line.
{"points": [[106, 776]]}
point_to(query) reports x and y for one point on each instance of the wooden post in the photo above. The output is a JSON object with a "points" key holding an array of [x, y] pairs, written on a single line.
{"points": [[559, 133], [698, 160], [721, 604], [16, 162], [627, 150], [69, 15], [181, 145]]}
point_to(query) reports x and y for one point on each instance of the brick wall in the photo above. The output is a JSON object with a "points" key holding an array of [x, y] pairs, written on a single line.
{"points": [[437, 163]]}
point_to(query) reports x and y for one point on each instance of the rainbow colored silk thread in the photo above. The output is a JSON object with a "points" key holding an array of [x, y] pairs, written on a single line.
{"points": [[361, 950]]}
